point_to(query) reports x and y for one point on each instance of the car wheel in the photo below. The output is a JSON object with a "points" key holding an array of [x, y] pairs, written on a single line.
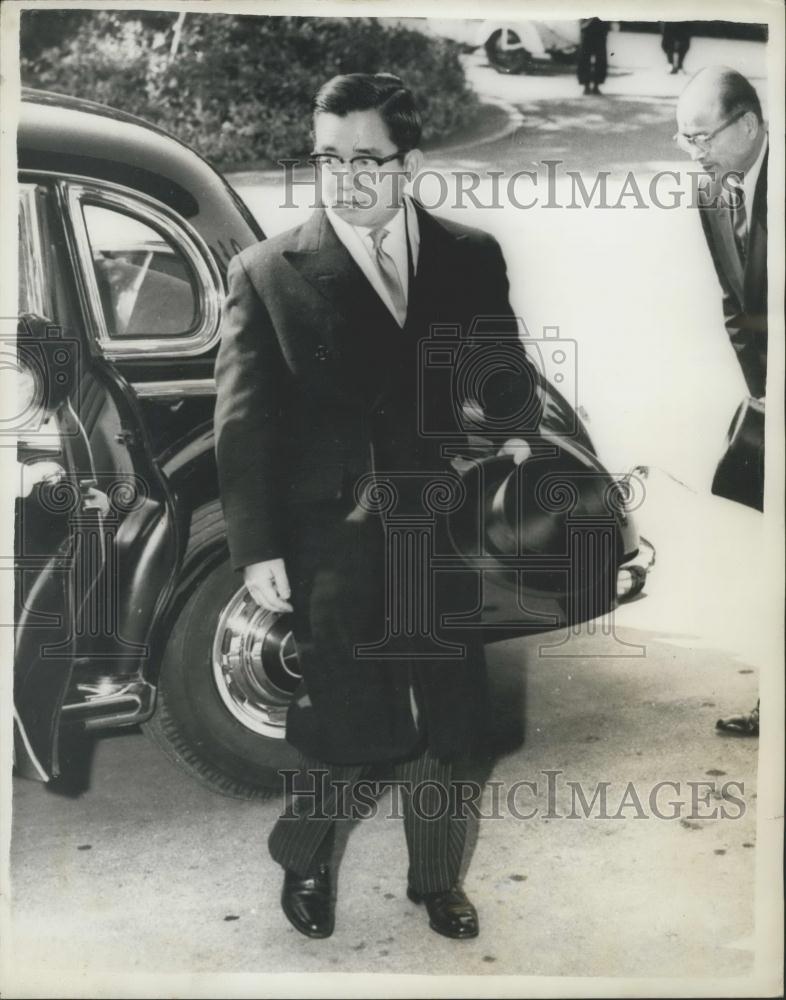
{"points": [[228, 674], [506, 60]]}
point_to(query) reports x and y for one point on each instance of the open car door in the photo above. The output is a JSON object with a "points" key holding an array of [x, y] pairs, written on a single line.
{"points": [[57, 525], [96, 545]]}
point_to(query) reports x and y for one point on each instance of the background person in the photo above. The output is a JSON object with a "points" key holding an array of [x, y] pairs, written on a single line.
{"points": [[593, 61], [720, 124], [675, 42]]}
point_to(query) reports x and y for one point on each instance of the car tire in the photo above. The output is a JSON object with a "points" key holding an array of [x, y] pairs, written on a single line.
{"points": [[193, 724], [503, 60]]}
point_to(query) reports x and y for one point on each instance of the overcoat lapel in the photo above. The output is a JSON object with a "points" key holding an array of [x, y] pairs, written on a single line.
{"points": [[741, 276], [323, 260], [721, 221], [435, 265], [756, 258]]}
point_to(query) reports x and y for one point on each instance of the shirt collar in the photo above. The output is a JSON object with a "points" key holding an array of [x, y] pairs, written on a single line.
{"points": [[404, 222]]}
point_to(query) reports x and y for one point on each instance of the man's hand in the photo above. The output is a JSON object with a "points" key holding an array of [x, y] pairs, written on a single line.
{"points": [[518, 448], [268, 584]]}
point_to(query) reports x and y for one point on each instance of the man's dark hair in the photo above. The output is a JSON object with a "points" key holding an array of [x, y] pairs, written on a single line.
{"points": [[382, 92], [737, 94]]}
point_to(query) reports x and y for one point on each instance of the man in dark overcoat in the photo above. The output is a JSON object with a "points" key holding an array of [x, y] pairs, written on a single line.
{"points": [[721, 126], [327, 430]]}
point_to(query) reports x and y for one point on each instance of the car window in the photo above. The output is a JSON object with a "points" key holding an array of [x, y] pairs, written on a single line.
{"points": [[27, 294], [33, 293], [146, 286]]}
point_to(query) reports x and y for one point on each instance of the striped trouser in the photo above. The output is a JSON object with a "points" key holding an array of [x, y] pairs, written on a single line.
{"points": [[434, 829]]}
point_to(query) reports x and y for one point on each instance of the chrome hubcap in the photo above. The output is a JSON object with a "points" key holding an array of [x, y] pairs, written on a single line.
{"points": [[255, 665]]}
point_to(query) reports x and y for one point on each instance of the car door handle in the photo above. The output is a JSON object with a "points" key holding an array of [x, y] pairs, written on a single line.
{"points": [[92, 497]]}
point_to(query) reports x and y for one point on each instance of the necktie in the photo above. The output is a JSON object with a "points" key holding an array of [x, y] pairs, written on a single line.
{"points": [[739, 223], [389, 272]]}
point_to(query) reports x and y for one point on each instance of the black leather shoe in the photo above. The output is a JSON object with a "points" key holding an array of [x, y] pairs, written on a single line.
{"points": [[740, 725], [450, 912], [307, 902]]}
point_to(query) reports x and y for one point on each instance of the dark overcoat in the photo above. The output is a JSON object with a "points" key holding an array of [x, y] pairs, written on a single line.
{"points": [[744, 281], [318, 388]]}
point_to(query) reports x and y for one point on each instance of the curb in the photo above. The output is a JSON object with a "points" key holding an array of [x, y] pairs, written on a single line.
{"points": [[515, 121]]}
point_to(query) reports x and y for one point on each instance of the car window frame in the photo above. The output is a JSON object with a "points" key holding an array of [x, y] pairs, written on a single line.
{"points": [[31, 239], [73, 193]]}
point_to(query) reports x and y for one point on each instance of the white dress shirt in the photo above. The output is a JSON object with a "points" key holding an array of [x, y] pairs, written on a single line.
{"points": [[357, 240]]}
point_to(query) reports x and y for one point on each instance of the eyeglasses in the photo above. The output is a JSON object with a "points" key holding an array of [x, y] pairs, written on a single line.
{"points": [[703, 139], [356, 163]]}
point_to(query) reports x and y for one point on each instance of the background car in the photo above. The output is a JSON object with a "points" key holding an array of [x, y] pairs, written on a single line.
{"points": [[127, 609], [515, 46]]}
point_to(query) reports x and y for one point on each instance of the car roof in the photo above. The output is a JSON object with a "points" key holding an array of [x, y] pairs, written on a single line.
{"points": [[69, 136], [51, 99]]}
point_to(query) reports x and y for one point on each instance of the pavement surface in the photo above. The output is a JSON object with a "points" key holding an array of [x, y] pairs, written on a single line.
{"points": [[147, 872]]}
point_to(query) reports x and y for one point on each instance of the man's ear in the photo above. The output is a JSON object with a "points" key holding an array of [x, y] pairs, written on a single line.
{"points": [[752, 124], [413, 163]]}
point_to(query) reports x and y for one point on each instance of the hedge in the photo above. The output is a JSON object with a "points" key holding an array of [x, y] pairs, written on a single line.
{"points": [[238, 88]]}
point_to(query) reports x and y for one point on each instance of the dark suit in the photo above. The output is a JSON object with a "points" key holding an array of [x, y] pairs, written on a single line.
{"points": [[317, 387], [744, 281]]}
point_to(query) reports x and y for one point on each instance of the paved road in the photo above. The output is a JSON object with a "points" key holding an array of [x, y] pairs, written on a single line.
{"points": [[148, 873]]}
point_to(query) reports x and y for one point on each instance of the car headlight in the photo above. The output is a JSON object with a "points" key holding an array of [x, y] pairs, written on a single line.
{"points": [[630, 581]]}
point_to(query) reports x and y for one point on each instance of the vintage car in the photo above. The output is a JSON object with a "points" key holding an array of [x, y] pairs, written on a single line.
{"points": [[127, 609]]}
